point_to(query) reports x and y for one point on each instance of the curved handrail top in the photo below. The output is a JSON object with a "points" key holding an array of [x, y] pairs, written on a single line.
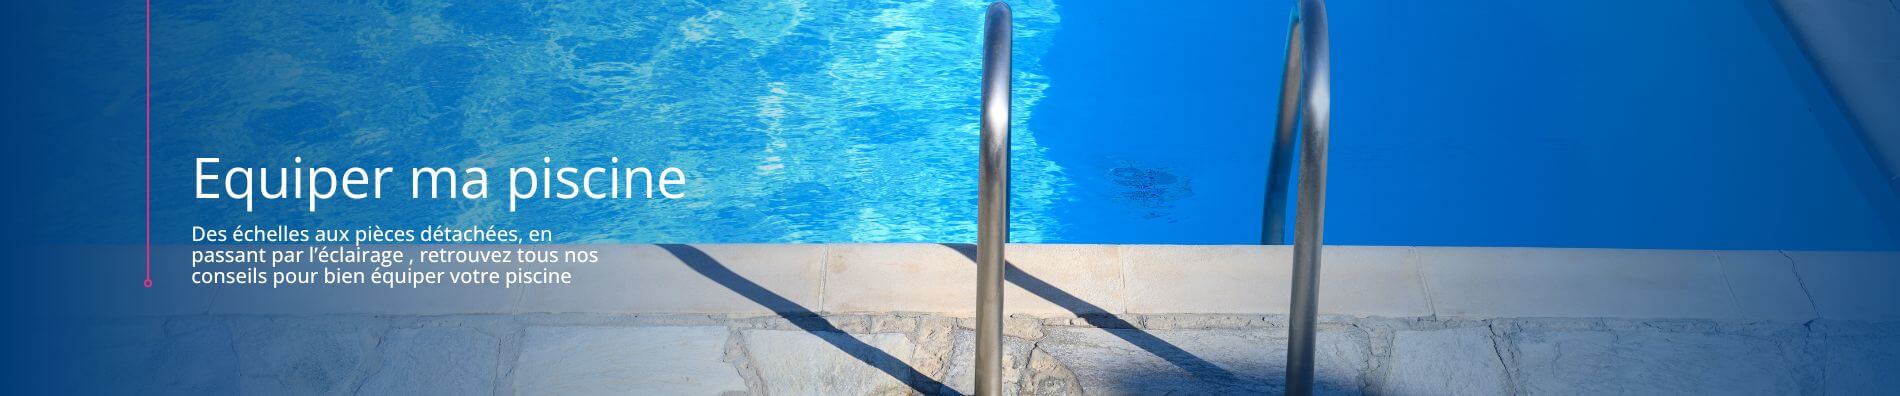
{"points": [[1317, 56]]}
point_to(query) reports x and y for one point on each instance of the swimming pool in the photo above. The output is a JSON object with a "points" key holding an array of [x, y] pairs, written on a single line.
{"points": [[1687, 124], [1472, 123]]}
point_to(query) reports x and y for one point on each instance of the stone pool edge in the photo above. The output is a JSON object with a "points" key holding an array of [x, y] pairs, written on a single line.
{"points": [[1072, 280]]}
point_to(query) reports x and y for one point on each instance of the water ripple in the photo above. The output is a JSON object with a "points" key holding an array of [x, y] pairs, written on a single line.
{"points": [[797, 121]]}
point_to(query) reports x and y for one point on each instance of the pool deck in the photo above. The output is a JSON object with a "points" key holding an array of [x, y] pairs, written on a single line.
{"points": [[1072, 280], [1117, 319]]}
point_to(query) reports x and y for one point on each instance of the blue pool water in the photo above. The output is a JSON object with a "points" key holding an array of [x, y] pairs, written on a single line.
{"points": [[1691, 124], [795, 122], [1677, 124]]}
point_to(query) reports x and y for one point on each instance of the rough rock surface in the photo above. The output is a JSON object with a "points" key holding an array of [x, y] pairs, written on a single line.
{"points": [[1453, 361], [961, 375], [1647, 360], [828, 363], [1211, 361], [303, 357], [891, 353], [625, 360], [1863, 359], [435, 361]]}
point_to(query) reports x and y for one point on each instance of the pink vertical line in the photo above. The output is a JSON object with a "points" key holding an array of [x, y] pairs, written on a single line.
{"points": [[148, 143]]}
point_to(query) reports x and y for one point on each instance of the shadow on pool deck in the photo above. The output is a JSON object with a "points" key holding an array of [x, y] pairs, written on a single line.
{"points": [[1101, 318], [1212, 378], [807, 319]]}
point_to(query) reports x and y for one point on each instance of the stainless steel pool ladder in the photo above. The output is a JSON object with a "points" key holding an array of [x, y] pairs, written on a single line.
{"points": [[992, 207], [1306, 101]]}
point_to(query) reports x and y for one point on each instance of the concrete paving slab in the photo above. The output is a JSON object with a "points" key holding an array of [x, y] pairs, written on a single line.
{"points": [[1851, 285], [1765, 286], [1531, 282], [1073, 280], [688, 279], [437, 299], [1354, 280], [1051, 280]]}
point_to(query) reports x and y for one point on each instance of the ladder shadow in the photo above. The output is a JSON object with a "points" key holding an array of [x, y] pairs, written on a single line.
{"points": [[1094, 315], [807, 320]]}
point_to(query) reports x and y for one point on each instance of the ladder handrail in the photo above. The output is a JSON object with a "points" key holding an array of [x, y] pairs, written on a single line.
{"points": [[1308, 105], [992, 229]]}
